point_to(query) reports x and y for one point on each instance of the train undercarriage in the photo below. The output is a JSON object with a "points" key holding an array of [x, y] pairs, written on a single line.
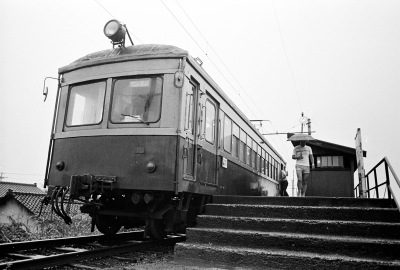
{"points": [[159, 212]]}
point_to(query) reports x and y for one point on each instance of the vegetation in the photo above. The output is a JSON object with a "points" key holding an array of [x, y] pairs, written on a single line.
{"points": [[45, 229]]}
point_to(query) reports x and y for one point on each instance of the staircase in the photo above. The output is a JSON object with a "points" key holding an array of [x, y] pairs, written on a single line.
{"points": [[296, 233]]}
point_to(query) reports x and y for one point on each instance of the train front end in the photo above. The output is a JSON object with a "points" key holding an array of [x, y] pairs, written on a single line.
{"points": [[115, 141]]}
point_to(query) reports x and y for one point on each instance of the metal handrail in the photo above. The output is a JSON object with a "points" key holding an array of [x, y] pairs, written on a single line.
{"points": [[388, 168]]}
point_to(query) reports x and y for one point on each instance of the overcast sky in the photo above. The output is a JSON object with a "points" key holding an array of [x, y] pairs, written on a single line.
{"points": [[336, 61]]}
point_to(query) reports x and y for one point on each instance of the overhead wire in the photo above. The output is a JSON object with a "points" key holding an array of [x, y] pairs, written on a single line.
{"points": [[287, 57], [133, 34], [212, 62], [219, 58], [227, 68], [104, 9]]}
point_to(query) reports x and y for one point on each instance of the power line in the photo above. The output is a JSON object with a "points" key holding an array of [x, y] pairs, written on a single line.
{"points": [[233, 76], [104, 8], [212, 62], [219, 58], [287, 57], [228, 69], [133, 34]]}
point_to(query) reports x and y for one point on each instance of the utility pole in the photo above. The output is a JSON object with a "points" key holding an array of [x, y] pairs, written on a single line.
{"points": [[360, 166], [1, 176], [302, 117]]}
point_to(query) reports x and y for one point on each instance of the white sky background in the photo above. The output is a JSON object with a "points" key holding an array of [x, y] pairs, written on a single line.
{"points": [[342, 67]]}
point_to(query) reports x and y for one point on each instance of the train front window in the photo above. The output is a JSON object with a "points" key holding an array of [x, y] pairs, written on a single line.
{"points": [[136, 100], [85, 106]]}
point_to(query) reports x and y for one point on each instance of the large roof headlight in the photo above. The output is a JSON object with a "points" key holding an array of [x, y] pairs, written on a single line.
{"points": [[115, 31]]}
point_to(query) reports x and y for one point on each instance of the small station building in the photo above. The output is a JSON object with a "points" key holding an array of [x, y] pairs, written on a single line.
{"points": [[333, 175]]}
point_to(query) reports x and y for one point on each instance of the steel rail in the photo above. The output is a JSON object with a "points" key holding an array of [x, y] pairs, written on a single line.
{"points": [[67, 258], [16, 246]]}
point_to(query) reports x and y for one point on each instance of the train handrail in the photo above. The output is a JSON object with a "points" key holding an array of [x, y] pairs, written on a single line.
{"points": [[390, 194]]}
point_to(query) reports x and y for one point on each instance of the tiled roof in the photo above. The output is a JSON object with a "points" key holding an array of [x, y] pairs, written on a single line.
{"points": [[19, 187], [33, 202]]}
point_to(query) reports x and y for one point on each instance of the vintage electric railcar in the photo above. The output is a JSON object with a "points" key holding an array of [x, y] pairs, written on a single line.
{"points": [[143, 136]]}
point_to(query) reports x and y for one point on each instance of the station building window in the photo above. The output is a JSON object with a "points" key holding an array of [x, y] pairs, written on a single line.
{"points": [[330, 162], [85, 104]]}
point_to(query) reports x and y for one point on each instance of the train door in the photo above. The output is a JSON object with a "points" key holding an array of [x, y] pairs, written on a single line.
{"points": [[207, 145], [191, 129]]}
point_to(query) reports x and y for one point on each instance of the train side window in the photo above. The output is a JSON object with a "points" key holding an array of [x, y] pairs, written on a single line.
{"points": [[236, 140], [221, 126], [265, 156], [136, 100], [85, 104], [227, 134], [260, 159], [189, 109], [210, 122], [242, 149], [248, 151], [269, 166], [254, 155]]}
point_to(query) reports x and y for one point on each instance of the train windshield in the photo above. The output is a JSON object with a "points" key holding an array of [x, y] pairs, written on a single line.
{"points": [[136, 100], [85, 106]]}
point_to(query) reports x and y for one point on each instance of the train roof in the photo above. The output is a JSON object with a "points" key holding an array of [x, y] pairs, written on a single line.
{"points": [[143, 51]]}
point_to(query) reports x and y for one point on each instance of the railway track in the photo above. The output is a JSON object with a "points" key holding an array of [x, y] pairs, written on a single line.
{"points": [[62, 251]]}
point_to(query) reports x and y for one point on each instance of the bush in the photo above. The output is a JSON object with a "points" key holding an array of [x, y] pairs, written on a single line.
{"points": [[46, 229]]}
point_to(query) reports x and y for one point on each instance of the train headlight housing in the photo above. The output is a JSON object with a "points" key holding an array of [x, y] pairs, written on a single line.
{"points": [[115, 31], [151, 166], [60, 165]]}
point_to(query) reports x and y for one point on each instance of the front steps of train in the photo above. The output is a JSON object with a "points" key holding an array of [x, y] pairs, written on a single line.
{"points": [[296, 233]]}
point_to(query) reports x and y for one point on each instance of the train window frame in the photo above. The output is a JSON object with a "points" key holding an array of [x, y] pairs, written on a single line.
{"points": [[221, 128], [227, 129], [67, 113], [189, 111], [139, 121], [235, 140], [242, 149], [248, 150], [206, 129], [259, 159], [254, 154]]}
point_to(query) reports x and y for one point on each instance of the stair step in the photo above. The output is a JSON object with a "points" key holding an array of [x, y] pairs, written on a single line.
{"points": [[278, 259], [328, 227], [304, 212], [324, 244], [305, 201]]}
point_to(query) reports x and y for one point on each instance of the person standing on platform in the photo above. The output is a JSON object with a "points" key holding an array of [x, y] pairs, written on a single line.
{"points": [[304, 157], [283, 183]]}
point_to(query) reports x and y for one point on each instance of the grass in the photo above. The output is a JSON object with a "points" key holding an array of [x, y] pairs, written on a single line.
{"points": [[45, 229]]}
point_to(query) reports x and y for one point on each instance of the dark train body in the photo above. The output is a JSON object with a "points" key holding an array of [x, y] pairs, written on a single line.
{"points": [[142, 135]]}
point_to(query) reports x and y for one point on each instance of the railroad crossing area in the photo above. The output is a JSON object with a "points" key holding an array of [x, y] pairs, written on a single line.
{"points": [[296, 233]]}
